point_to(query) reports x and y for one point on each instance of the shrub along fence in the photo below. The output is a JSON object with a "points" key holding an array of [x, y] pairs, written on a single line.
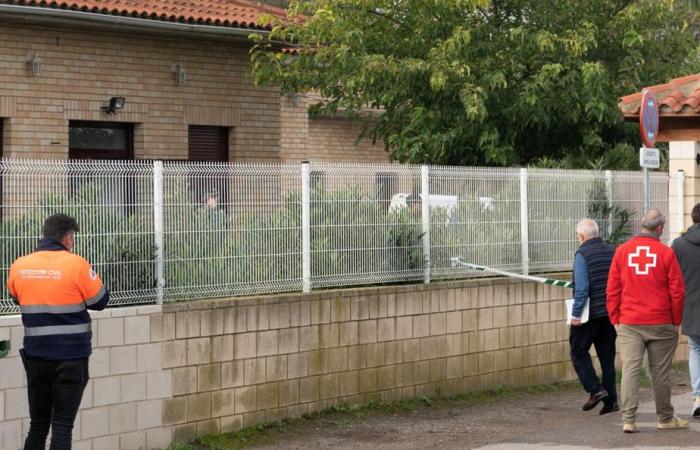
{"points": [[160, 231]]}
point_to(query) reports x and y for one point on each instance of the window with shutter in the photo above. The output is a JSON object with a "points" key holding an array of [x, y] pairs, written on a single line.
{"points": [[207, 143]]}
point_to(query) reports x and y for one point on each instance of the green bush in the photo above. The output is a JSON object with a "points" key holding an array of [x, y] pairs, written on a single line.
{"points": [[114, 242]]}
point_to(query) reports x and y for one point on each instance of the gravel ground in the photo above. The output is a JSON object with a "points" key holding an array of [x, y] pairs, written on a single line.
{"points": [[551, 419]]}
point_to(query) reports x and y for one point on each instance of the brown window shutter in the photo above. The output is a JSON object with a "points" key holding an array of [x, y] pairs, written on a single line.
{"points": [[208, 143]]}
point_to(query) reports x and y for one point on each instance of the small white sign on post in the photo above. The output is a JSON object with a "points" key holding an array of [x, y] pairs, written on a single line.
{"points": [[649, 158]]}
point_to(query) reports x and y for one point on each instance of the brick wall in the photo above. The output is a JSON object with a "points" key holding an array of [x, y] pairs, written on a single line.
{"points": [[323, 139], [83, 68], [189, 369]]}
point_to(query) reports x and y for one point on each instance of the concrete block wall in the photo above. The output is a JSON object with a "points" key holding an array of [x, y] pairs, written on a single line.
{"points": [[122, 403], [172, 373]]}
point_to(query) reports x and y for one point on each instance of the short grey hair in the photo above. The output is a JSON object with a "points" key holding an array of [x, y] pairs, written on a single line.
{"points": [[653, 219], [588, 228]]}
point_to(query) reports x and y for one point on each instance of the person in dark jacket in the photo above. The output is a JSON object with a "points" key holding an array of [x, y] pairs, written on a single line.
{"points": [[687, 248], [591, 265]]}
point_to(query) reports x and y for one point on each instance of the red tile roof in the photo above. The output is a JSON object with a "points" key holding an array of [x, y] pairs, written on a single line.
{"points": [[679, 97], [223, 13]]}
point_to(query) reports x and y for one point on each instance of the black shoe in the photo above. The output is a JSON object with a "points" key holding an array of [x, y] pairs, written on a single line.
{"points": [[609, 407], [595, 399]]}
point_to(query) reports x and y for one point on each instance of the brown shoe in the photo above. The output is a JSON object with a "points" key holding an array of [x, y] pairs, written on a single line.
{"points": [[595, 398], [609, 407], [674, 423], [629, 427]]}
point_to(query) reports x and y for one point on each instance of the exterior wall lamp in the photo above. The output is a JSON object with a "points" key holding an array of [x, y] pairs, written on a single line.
{"points": [[180, 74], [115, 104], [34, 62]]}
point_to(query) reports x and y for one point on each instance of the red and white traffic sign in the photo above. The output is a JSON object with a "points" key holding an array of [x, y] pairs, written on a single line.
{"points": [[649, 118]]}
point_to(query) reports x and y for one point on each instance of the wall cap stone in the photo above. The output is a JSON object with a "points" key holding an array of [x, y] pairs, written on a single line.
{"points": [[295, 297]]}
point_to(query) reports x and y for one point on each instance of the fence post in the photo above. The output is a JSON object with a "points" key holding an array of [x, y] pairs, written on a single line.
{"points": [[158, 228], [306, 226], [425, 215], [609, 195], [680, 204], [524, 242]]}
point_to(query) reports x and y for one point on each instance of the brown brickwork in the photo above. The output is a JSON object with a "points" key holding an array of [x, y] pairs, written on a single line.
{"points": [[81, 69]]}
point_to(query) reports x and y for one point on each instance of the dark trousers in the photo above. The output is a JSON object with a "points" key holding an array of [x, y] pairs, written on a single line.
{"points": [[600, 333], [55, 390]]}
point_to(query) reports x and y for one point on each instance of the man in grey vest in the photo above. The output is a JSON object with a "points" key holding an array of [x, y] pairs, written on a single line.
{"points": [[687, 248], [591, 266]]}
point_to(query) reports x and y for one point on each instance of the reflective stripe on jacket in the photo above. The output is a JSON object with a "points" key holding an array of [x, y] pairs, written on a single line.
{"points": [[54, 289]]}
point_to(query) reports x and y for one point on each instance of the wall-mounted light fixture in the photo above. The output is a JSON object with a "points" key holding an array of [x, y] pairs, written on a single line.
{"points": [[115, 104], [34, 63], [180, 74]]}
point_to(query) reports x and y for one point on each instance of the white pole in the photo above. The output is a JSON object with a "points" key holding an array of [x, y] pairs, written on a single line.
{"points": [[609, 195], [306, 225], [425, 215], [524, 222], [645, 182], [680, 203], [158, 228]]}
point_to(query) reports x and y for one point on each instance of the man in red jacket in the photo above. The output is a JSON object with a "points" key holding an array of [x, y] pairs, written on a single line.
{"points": [[645, 303]]}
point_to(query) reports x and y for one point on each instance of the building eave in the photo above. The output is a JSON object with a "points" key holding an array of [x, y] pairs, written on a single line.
{"points": [[106, 22]]}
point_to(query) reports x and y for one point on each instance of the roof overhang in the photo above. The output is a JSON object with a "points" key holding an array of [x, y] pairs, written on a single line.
{"points": [[679, 108], [106, 22]]}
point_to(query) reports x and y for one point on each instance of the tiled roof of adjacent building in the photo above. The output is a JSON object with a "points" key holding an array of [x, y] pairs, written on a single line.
{"points": [[677, 98], [223, 13]]}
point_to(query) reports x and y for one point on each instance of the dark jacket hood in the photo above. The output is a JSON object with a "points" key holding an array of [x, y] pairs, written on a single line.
{"points": [[693, 234]]}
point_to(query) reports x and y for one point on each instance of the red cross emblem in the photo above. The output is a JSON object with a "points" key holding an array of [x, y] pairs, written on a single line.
{"points": [[641, 260]]}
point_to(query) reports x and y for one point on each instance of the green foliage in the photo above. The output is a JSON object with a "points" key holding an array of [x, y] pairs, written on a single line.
{"points": [[113, 241], [476, 82], [278, 3], [262, 248], [619, 157], [213, 252], [349, 235], [487, 234], [613, 221]]}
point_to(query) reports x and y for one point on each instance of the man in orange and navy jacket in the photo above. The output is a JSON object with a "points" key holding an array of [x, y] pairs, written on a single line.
{"points": [[645, 303], [54, 288]]}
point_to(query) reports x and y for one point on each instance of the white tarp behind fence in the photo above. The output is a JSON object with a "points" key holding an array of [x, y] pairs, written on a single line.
{"points": [[177, 230]]}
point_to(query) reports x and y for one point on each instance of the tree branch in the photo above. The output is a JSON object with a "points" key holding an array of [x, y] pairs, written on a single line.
{"points": [[621, 7], [389, 18]]}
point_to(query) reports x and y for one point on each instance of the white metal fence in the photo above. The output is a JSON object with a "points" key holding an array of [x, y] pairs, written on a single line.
{"points": [[174, 230]]}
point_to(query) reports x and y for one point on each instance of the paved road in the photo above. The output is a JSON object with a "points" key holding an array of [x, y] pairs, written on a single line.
{"points": [[609, 435], [551, 420]]}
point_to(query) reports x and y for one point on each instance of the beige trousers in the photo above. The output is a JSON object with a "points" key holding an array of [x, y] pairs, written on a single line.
{"points": [[660, 342]]}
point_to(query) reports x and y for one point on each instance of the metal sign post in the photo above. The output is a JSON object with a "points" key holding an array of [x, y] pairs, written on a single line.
{"points": [[645, 178], [649, 131], [649, 158]]}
